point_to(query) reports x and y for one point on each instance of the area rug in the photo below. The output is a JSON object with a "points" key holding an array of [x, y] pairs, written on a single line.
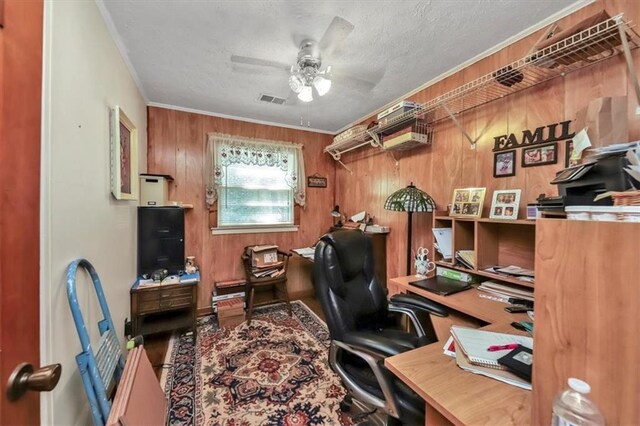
{"points": [[273, 372]]}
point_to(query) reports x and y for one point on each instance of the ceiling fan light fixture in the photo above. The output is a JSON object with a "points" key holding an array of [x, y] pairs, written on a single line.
{"points": [[296, 83], [306, 94], [322, 85]]}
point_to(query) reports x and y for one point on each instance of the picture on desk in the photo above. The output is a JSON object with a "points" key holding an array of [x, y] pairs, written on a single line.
{"points": [[467, 202], [505, 204]]}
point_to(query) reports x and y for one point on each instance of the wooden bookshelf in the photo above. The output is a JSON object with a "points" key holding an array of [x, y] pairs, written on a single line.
{"points": [[495, 242]]}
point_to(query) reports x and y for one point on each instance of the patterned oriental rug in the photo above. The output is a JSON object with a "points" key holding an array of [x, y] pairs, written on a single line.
{"points": [[273, 372]]}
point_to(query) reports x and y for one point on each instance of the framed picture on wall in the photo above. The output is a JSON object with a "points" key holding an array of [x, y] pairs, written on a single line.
{"points": [[540, 155], [505, 204], [568, 152], [504, 163], [123, 139], [467, 202]]}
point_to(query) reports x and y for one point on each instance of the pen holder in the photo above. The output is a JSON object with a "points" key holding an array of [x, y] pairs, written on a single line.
{"points": [[423, 267]]}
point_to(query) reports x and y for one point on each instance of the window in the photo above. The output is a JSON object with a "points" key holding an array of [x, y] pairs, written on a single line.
{"points": [[255, 183]]}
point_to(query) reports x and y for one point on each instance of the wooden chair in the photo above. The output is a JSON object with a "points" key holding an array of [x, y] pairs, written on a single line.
{"points": [[278, 283]]}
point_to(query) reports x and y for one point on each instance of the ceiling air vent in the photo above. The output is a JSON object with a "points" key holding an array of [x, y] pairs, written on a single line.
{"points": [[271, 99]]}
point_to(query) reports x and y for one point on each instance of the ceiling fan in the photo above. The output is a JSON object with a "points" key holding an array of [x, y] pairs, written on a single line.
{"points": [[307, 75]]}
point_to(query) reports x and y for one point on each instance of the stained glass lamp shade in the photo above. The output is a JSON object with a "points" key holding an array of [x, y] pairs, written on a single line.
{"points": [[410, 199]]}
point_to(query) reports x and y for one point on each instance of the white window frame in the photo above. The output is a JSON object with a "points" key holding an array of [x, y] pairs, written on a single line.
{"points": [[215, 185]]}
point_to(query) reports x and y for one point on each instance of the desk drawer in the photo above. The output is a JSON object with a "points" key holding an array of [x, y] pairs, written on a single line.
{"points": [[148, 296], [176, 293], [148, 306], [176, 302]]}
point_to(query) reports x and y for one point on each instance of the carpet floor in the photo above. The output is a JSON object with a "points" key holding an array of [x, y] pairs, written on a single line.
{"points": [[273, 372]]}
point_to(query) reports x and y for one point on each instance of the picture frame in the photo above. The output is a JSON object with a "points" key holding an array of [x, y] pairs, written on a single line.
{"points": [[539, 155], [505, 204], [316, 181], [123, 139], [467, 202], [504, 163], [568, 150]]}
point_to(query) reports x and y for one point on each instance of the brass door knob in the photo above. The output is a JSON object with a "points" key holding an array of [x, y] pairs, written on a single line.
{"points": [[24, 378]]}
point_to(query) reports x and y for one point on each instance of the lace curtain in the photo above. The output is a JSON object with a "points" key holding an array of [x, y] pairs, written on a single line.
{"points": [[224, 150]]}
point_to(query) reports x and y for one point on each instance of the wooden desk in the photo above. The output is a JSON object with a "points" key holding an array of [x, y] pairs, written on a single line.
{"points": [[456, 396], [469, 309]]}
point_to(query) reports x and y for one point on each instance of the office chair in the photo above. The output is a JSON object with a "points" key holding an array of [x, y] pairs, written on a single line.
{"points": [[361, 325]]}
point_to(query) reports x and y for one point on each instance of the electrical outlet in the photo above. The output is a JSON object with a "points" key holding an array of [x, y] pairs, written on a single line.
{"points": [[638, 110]]}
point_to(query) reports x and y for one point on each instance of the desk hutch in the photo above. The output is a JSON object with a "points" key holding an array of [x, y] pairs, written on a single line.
{"points": [[586, 302]]}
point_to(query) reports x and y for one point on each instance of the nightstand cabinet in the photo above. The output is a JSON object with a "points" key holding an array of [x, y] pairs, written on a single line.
{"points": [[164, 308]]}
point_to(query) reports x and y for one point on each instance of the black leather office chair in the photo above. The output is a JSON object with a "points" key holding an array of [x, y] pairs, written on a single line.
{"points": [[361, 324]]}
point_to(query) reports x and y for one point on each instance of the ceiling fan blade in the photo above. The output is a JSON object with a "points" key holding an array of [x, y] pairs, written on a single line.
{"points": [[337, 32], [349, 81], [260, 62]]}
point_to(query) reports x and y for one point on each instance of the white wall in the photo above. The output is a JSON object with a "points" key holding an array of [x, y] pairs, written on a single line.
{"points": [[84, 75]]}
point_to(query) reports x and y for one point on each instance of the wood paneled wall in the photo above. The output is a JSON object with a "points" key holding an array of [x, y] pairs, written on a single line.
{"points": [[450, 162], [176, 146]]}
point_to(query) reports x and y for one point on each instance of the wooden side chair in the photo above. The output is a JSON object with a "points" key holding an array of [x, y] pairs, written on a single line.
{"points": [[279, 283]]}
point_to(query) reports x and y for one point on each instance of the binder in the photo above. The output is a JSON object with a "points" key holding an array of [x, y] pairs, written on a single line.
{"points": [[474, 343]]}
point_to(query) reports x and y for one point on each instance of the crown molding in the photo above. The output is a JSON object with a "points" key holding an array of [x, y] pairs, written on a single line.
{"points": [[233, 117]]}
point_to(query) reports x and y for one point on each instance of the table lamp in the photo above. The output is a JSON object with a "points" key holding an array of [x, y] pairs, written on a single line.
{"points": [[336, 213], [410, 199]]}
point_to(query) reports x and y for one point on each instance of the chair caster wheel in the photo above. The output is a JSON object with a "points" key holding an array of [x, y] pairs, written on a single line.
{"points": [[346, 403]]}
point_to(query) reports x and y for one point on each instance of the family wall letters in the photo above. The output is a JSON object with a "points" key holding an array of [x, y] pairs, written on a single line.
{"points": [[542, 134]]}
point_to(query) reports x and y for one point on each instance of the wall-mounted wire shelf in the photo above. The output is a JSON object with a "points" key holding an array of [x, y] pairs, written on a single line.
{"points": [[418, 133], [595, 44]]}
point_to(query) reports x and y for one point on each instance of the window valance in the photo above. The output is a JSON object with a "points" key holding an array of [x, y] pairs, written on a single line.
{"points": [[224, 150]]}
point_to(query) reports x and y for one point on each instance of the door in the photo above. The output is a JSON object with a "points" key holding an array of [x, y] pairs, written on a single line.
{"points": [[20, 117]]}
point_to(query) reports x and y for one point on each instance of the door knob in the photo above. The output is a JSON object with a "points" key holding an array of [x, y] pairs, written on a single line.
{"points": [[24, 378]]}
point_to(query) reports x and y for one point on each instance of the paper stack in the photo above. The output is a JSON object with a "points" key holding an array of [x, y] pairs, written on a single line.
{"points": [[505, 292], [472, 355]]}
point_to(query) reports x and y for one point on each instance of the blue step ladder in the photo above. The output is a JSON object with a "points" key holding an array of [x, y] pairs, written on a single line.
{"points": [[97, 369]]}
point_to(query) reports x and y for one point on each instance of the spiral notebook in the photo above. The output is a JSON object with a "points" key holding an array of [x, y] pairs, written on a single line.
{"points": [[474, 344]]}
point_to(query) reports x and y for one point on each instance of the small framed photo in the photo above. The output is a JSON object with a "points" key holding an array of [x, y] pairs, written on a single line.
{"points": [[467, 202], [505, 204], [504, 163], [124, 156], [568, 152], [540, 154]]}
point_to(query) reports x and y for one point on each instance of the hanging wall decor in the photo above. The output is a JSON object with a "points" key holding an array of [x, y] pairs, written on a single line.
{"points": [[124, 156], [316, 181], [540, 155]]}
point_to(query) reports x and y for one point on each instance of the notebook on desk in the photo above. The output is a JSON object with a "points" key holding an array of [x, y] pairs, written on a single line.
{"points": [[441, 285]]}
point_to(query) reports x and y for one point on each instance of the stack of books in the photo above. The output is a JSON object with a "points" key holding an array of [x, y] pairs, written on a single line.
{"points": [[268, 271], [232, 292], [405, 138], [466, 258], [504, 292], [513, 271]]}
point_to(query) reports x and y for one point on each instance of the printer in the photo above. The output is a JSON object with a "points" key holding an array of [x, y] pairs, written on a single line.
{"points": [[579, 185]]}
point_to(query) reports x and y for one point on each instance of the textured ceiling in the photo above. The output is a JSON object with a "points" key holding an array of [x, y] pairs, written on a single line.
{"points": [[181, 50]]}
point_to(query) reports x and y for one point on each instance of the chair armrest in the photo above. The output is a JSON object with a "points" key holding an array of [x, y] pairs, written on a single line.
{"points": [[418, 302], [373, 343]]}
